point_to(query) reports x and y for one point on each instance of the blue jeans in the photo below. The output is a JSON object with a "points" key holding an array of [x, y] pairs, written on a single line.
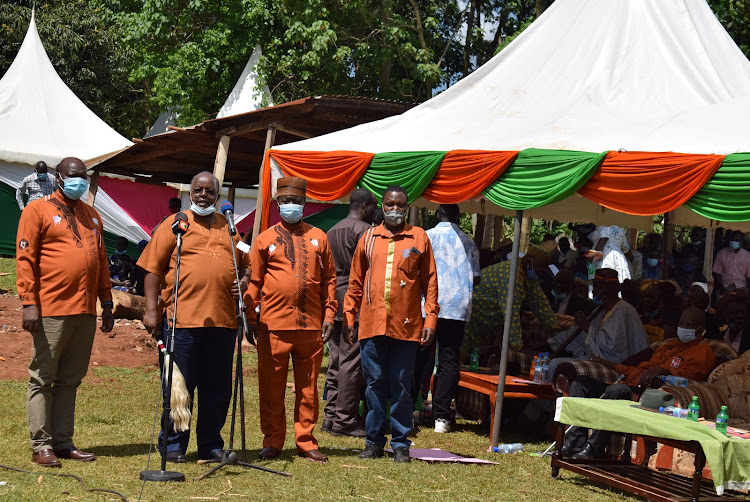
{"points": [[204, 356], [388, 366]]}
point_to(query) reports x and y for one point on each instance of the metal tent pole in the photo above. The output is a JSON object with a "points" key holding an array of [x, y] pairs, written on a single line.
{"points": [[506, 329]]}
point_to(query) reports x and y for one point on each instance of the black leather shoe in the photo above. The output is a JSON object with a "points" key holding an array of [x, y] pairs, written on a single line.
{"points": [[176, 456], [217, 455], [568, 450], [587, 453], [327, 425], [372, 451], [269, 453], [401, 454]]}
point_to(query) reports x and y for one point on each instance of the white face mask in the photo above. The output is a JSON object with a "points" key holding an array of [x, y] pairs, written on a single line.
{"points": [[686, 334], [202, 211]]}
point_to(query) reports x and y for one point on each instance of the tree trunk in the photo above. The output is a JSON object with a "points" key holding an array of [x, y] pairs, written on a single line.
{"points": [[386, 17], [479, 230], [498, 231], [469, 29], [540, 6]]}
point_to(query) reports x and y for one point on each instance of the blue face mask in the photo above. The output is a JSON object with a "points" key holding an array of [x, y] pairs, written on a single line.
{"points": [[653, 313], [559, 296], [689, 267], [74, 188], [597, 300], [652, 262], [291, 213], [41, 176], [202, 211], [532, 275], [735, 245], [121, 252]]}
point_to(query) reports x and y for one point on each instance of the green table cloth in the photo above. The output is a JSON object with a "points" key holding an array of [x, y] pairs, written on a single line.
{"points": [[728, 457]]}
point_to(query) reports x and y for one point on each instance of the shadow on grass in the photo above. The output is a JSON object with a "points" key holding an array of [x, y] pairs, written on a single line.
{"points": [[590, 484]]}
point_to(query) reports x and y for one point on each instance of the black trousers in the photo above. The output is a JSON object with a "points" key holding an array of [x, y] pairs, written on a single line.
{"points": [[449, 335], [584, 386]]}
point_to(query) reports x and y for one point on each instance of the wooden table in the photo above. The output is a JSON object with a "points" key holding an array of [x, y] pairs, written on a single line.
{"points": [[515, 388]]}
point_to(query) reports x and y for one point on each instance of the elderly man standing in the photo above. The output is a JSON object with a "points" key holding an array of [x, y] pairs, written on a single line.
{"points": [[36, 185], [392, 268], [206, 328], [294, 281], [344, 377], [457, 265], [62, 270]]}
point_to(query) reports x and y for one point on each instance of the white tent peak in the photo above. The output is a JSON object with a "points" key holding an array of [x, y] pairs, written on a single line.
{"points": [[41, 118], [246, 96], [587, 75]]}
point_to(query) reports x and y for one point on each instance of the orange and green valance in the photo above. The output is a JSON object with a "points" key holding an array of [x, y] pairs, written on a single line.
{"points": [[540, 177], [647, 183], [640, 183]]}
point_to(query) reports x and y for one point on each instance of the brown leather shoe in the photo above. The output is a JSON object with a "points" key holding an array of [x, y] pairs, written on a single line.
{"points": [[269, 453], [313, 455], [46, 458], [74, 453]]}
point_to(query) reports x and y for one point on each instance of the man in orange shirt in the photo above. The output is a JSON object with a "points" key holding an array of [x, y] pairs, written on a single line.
{"points": [[392, 268], [62, 268], [293, 280], [687, 356], [205, 332]]}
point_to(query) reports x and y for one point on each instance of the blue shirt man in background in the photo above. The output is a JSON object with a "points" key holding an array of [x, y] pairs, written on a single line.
{"points": [[457, 264]]}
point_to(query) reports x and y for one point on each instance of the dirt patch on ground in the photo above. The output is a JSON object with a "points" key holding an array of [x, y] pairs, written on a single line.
{"points": [[128, 345]]}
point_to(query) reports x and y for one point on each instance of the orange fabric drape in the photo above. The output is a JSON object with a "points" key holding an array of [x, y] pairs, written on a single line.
{"points": [[329, 175], [465, 173], [646, 183]]}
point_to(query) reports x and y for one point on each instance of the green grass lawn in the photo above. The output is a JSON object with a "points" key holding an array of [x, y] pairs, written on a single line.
{"points": [[8, 282], [115, 412]]}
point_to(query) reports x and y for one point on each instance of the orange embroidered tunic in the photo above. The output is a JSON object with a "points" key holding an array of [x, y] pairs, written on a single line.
{"points": [[61, 260]]}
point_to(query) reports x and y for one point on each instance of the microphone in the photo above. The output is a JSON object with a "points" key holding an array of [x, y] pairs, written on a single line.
{"points": [[180, 224], [228, 209]]}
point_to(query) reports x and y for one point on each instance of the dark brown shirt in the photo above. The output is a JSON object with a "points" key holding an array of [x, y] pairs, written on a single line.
{"points": [[343, 237]]}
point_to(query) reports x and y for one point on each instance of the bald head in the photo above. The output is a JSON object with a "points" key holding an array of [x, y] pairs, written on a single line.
{"points": [[205, 176], [71, 167], [41, 167]]}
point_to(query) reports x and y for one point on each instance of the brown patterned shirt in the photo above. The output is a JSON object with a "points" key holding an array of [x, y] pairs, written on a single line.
{"points": [[293, 278]]}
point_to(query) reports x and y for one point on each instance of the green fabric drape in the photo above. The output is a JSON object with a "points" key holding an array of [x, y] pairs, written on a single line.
{"points": [[540, 177], [411, 170], [9, 221], [726, 196], [327, 218]]}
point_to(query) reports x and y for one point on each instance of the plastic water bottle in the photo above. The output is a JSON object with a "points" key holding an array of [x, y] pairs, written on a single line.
{"points": [[508, 448], [675, 381], [538, 369], [474, 362], [533, 367], [545, 368], [721, 420], [674, 411], [694, 409]]}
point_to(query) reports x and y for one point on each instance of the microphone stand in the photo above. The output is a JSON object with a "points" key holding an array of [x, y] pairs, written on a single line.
{"points": [[230, 457], [164, 474]]}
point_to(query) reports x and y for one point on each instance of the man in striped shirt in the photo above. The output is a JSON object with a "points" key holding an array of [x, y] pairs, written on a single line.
{"points": [[36, 185]]}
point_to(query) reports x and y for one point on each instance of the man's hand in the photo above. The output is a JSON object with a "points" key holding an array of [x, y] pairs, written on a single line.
{"points": [[252, 334], [428, 335], [327, 331], [236, 289], [581, 321], [651, 373], [347, 332], [31, 318], [108, 320], [150, 320]]}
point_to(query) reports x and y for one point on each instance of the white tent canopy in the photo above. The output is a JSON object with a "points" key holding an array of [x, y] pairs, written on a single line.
{"points": [[247, 95], [41, 118], [588, 75]]}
